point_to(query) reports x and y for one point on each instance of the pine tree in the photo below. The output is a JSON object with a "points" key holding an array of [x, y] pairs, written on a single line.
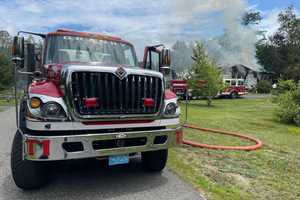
{"points": [[205, 77]]}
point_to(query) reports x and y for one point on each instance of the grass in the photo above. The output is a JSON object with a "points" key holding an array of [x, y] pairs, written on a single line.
{"points": [[4, 102], [272, 172], [3, 98]]}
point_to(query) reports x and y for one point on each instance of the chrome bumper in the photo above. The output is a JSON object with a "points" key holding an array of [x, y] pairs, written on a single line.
{"points": [[50, 148]]}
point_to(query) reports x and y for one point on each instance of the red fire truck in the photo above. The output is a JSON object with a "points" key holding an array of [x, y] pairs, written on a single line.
{"points": [[90, 99], [234, 89], [179, 87]]}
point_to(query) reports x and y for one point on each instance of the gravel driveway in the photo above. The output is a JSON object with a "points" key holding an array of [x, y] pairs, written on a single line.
{"points": [[91, 180]]}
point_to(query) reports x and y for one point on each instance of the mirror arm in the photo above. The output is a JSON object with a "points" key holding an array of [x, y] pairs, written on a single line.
{"points": [[25, 73], [17, 59], [33, 74]]}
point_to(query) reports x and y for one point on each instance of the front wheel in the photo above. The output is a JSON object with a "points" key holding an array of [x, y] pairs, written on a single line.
{"points": [[155, 160], [233, 95], [26, 174]]}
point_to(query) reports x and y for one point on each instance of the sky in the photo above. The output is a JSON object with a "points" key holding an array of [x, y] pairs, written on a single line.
{"points": [[141, 22]]}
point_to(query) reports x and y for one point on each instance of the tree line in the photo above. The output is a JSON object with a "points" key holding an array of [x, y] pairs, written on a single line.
{"points": [[6, 73], [278, 54]]}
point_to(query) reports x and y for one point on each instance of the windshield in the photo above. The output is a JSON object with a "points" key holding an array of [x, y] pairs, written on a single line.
{"points": [[62, 49]]}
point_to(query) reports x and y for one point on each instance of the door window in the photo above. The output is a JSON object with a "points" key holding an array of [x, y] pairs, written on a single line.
{"points": [[152, 62]]}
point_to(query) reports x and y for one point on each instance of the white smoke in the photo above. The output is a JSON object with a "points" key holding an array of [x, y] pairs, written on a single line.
{"points": [[237, 44], [234, 45]]}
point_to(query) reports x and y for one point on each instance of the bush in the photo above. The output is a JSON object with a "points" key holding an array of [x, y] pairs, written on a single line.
{"points": [[285, 86], [264, 86], [289, 104]]}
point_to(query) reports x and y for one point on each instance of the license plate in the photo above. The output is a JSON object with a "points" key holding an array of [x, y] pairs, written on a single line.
{"points": [[118, 160]]}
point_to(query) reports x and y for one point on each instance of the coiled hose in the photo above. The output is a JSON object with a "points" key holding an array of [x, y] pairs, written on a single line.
{"points": [[221, 147], [258, 144]]}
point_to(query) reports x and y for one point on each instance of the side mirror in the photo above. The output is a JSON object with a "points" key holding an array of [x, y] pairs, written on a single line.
{"points": [[30, 57], [38, 58], [165, 57], [18, 51], [165, 61]]}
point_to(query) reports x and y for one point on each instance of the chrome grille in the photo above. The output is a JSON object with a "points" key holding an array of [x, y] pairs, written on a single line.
{"points": [[115, 96]]}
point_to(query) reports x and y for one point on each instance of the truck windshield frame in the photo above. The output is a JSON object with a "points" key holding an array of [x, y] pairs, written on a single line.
{"points": [[77, 49]]}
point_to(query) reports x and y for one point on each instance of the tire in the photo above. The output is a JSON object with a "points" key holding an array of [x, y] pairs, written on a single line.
{"points": [[155, 160], [26, 174], [233, 95]]}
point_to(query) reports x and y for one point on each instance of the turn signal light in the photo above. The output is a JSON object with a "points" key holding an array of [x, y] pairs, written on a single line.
{"points": [[32, 146], [35, 102], [179, 136]]}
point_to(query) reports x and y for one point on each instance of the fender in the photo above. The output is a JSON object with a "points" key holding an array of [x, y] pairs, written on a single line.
{"points": [[45, 87], [169, 95]]}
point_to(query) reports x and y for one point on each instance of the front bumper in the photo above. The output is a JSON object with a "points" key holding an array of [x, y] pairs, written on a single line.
{"points": [[51, 148]]}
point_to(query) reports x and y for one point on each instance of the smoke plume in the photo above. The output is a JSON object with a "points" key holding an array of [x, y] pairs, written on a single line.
{"points": [[233, 43]]}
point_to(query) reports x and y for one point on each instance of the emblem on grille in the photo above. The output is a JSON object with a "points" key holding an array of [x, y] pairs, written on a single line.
{"points": [[120, 73], [121, 135]]}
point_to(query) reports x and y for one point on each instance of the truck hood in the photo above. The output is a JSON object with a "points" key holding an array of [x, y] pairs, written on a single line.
{"points": [[105, 68]]}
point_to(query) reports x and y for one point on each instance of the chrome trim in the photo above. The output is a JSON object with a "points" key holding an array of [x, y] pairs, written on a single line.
{"points": [[67, 80], [58, 153], [36, 125]]}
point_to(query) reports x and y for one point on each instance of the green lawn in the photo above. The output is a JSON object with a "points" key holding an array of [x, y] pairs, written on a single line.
{"points": [[272, 172], [4, 103]]}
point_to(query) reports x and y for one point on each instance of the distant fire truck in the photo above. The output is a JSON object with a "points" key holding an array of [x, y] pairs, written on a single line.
{"points": [[234, 88], [179, 87], [90, 99]]}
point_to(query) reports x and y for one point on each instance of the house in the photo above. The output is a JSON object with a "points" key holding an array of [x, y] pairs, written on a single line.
{"points": [[250, 75]]}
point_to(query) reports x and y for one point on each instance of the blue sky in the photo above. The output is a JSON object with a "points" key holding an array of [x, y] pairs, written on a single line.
{"points": [[141, 22], [266, 5]]}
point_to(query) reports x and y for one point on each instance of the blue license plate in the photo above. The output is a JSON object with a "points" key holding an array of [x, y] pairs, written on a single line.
{"points": [[118, 160]]}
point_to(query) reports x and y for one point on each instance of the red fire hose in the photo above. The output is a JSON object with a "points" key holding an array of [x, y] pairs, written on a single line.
{"points": [[219, 147]]}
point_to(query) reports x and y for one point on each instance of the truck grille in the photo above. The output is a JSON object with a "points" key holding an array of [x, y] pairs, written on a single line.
{"points": [[115, 96]]}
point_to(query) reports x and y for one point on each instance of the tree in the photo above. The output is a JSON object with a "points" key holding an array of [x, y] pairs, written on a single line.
{"points": [[280, 54], [6, 74], [251, 17], [5, 42], [203, 69]]}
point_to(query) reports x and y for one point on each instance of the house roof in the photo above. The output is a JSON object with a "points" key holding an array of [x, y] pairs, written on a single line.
{"points": [[229, 66]]}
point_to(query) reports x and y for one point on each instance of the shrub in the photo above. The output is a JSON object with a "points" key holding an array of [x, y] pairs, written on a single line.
{"points": [[285, 86], [289, 103], [282, 87], [264, 86]]}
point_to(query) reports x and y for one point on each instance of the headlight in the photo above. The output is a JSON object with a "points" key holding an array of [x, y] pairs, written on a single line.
{"points": [[170, 109], [52, 109]]}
